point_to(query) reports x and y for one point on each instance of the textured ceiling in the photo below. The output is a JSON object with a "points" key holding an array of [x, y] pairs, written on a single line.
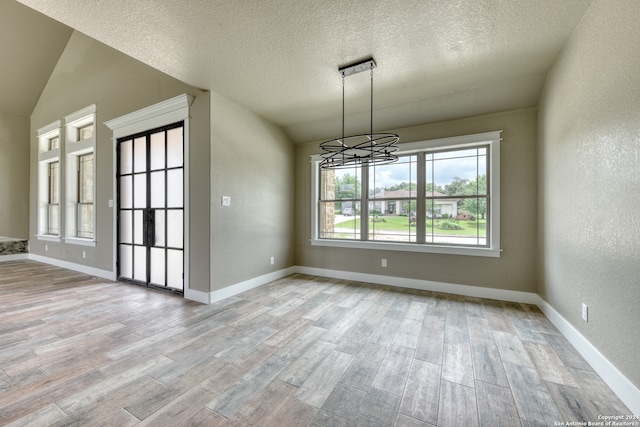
{"points": [[30, 45], [437, 59]]}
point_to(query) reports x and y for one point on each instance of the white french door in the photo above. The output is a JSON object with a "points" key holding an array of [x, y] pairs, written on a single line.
{"points": [[150, 211]]}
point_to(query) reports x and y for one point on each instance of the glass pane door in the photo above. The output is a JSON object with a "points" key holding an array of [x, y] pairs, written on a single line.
{"points": [[151, 208]]}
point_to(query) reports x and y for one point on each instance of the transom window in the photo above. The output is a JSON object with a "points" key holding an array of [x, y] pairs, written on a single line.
{"points": [[440, 196]]}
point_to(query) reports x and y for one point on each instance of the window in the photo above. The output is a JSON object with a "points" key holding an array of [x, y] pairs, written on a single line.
{"points": [[80, 176], [441, 196], [49, 182], [53, 205], [66, 172], [85, 196]]}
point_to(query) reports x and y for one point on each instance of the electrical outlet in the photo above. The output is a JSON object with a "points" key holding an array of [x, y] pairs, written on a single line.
{"points": [[272, 260], [226, 200], [384, 262], [585, 312]]}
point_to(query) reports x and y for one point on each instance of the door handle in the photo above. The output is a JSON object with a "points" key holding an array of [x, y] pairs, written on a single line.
{"points": [[150, 223]]}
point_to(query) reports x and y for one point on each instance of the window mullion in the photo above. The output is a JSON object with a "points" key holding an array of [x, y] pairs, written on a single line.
{"points": [[364, 203], [421, 211]]}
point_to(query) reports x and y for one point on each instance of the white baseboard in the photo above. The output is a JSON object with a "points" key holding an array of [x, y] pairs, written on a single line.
{"points": [[425, 285], [197, 296], [92, 271], [229, 291], [621, 386], [13, 257]]}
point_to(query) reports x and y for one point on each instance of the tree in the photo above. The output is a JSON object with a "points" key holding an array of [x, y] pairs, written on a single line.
{"points": [[431, 187], [402, 186], [457, 187], [476, 206], [347, 187]]}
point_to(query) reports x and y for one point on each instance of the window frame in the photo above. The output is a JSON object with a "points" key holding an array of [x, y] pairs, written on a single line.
{"points": [[81, 199], [75, 148], [46, 156], [491, 139], [53, 196]]}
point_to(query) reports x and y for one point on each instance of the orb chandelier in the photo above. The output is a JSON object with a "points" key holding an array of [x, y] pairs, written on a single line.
{"points": [[363, 149]]}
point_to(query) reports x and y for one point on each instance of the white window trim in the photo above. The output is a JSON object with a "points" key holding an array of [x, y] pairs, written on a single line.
{"points": [[491, 138], [45, 157], [74, 149]]}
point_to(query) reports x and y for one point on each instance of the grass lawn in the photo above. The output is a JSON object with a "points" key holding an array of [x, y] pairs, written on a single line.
{"points": [[401, 224]]}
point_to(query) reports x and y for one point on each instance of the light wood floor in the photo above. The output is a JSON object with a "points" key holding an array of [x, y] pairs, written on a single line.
{"points": [[302, 351]]}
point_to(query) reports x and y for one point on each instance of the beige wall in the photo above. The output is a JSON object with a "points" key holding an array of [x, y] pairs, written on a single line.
{"points": [[89, 72], [251, 162], [589, 182], [514, 270], [14, 175]]}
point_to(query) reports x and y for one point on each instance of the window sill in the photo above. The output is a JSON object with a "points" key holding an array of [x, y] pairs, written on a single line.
{"points": [[48, 237], [80, 241], [409, 247]]}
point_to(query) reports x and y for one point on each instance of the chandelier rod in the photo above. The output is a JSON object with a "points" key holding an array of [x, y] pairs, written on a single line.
{"points": [[342, 72], [362, 149], [371, 132]]}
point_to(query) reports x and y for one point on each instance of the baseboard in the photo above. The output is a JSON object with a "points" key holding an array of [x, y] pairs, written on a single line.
{"points": [[92, 271], [621, 386], [197, 296], [13, 257], [229, 291], [425, 285]]}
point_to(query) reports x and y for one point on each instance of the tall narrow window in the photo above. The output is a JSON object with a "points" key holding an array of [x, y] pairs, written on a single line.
{"points": [[85, 196], [456, 196], [49, 182], [54, 199], [80, 142]]}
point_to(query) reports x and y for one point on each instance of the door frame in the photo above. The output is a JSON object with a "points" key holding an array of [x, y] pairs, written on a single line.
{"points": [[149, 209], [155, 116]]}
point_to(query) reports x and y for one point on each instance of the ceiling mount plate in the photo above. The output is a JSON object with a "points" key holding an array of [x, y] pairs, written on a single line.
{"points": [[359, 67]]}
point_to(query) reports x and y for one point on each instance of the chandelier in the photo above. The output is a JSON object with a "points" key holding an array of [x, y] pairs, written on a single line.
{"points": [[364, 149]]}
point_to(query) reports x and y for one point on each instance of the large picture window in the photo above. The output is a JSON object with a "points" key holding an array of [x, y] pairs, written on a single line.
{"points": [[440, 196]]}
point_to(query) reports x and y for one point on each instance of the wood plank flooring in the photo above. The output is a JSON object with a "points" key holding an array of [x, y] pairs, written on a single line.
{"points": [[301, 351]]}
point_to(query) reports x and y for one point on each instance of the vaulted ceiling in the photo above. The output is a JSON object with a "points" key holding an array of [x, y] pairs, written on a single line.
{"points": [[437, 59], [30, 46]]}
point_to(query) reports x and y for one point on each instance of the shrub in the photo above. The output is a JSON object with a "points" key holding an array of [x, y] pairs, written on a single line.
{"points": [[465, 216], [449, 225], [445, 216]]}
